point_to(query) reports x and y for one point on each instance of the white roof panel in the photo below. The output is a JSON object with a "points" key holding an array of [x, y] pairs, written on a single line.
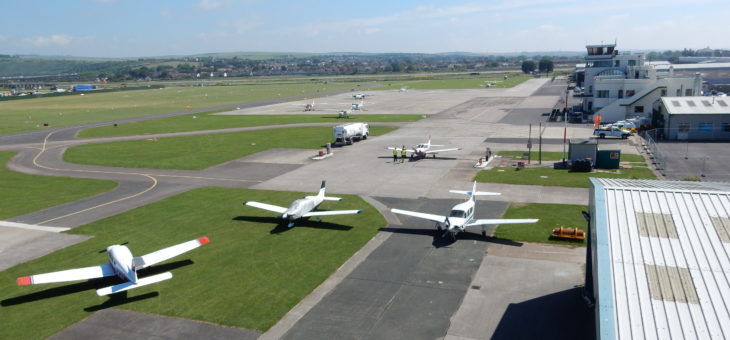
{"points": [[669, 267], [696, 105]]}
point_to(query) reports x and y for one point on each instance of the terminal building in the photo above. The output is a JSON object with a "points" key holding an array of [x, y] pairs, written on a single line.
{"points": [[619, 86], [658, 259]]}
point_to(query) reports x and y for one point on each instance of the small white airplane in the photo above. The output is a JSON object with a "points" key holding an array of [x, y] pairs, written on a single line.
{"points": [[309, 106], [358, 106], [302, 208], [462, 215], [424, 149], [122, 264], [403, 89], [361, 95]]}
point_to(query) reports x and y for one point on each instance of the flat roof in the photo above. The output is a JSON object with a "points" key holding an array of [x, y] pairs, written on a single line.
{"points": [[702, 105], [690, 67], [663, 258]]}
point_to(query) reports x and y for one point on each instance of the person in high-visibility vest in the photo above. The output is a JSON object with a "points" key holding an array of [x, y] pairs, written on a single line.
{"points": [[395, 155], [403, 154]]}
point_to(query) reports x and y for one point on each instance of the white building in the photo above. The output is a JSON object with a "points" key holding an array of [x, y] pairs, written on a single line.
{"points": [[619, 86], [658, 263]]}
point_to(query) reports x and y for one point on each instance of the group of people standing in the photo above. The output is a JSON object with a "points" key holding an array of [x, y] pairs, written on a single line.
{"points": [[403, 154]]}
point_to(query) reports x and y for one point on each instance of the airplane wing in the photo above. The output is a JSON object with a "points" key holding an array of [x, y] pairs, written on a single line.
{"points": [[68, 275], [399, 149], [332, 212], [269, 207], [435, 218], [502, 221], [129, 285], [168, 253], [443, 150]]}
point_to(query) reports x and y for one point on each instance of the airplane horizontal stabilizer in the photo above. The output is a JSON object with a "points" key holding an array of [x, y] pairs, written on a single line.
{"points": [[168, 253], [326, 198], [502, 221], [399, 149], [332, 212], [478, 193], [435, 218], [129, 285], [269, 207], [68, 275]]}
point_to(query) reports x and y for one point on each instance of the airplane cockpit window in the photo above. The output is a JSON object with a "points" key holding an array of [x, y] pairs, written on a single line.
{"points": [[458, 213]]}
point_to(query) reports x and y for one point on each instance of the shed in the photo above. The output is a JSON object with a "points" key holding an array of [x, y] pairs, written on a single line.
{"points": [[696, 118], [580, 149]]}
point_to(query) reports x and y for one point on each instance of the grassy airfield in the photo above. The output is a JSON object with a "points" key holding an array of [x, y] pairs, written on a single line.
{"points": [[249, 276], [201, 151], [31, 114], [197, 122], [550, 215], [24, 194]]}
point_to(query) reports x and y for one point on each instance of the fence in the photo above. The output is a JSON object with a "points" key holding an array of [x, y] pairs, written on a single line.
{"points": [[694, 157]]}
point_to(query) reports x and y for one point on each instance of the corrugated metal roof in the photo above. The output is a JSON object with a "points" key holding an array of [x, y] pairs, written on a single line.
{"points": [[696, 105], [669, 272]]}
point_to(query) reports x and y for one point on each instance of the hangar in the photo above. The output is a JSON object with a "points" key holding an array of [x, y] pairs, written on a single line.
{"points": [[657, 262], [696, 118]]}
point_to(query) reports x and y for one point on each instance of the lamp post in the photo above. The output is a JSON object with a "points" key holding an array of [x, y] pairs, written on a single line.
{"points": [[565, 122]]}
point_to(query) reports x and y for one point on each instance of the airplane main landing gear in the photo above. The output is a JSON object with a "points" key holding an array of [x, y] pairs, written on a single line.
{"points": [[438, 226]]}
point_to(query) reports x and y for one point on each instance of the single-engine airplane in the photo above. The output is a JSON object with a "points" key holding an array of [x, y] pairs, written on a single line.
{"points": [[424, 149], [462, 215], [358, 106], [122, 264], [302, 208], [361, 95]]}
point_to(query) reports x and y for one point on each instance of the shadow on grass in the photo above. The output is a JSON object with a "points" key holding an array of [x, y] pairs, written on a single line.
{"points": [[442, 239], [89, 284], [119, 299], [282, 225]]}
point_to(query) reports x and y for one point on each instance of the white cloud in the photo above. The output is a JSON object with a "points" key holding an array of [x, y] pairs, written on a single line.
{"points": [[53, 40], [209, 4]]}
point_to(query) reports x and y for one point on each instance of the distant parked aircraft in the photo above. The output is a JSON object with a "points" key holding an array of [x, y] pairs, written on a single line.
{"points": [[424, 149]]}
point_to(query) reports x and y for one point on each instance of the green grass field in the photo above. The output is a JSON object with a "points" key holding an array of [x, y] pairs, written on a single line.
{"points": [[444, 82], [24, 194], [562, 178], [550, 215], [201, 151], [213, 122], [249, 275], [557, 156], [31, 114]]}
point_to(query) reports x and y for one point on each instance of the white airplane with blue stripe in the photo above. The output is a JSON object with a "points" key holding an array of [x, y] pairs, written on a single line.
{"points": [[122, 264]]}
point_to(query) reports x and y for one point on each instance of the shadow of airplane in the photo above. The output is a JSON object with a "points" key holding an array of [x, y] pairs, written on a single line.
{"points": [[119, 299], [89, 284], [441, 240], [281, 224]]}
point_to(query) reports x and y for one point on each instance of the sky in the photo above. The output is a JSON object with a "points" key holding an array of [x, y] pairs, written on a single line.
{"points": [[136, 28]]}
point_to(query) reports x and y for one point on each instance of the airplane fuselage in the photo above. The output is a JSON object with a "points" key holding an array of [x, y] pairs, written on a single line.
{"points": [[460, 215], [121, 260], [301, 207]]}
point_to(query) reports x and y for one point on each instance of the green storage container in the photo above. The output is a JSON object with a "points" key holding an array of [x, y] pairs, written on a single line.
{"points": [[608, 159]]}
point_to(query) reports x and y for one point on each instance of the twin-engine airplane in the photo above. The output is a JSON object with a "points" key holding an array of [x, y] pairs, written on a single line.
{"points": [[424, 149], [462, 215], [302, 208], [122, 264]]}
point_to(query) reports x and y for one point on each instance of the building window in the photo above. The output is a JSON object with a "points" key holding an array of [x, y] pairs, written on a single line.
{"points": [[664, 92], [683, 127], [679, 93], [726, 127], [688, 92], [638, 109], [629, 93], [632, 62], [616, 63], [590, 89], [704, 127], [602, 93], [620, 93]]}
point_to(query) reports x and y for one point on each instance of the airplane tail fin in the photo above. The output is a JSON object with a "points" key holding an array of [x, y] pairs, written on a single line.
{"points": [[326, 198], [474, 192]]}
